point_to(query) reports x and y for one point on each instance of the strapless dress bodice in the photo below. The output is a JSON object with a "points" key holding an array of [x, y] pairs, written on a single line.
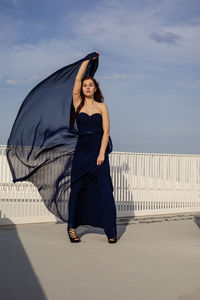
{"points": [[89, 123]]}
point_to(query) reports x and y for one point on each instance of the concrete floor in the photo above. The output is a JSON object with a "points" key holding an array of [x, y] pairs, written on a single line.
{"points": [[155, 258]]}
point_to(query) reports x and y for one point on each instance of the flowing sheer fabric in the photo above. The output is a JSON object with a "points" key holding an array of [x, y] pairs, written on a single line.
{"points": [[42, 142]]}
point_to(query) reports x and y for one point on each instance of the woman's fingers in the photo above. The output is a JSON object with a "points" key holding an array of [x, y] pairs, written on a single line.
{"points": [[98, 55]]}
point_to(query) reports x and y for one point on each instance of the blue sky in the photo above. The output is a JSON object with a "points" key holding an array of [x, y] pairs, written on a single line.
{"points": [[149, 68]]}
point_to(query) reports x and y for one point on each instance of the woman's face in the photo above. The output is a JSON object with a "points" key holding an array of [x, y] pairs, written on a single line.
{"points": [[88, 87]]}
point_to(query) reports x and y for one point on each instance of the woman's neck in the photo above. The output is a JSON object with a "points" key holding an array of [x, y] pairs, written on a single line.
{"points": [[89, 101]]}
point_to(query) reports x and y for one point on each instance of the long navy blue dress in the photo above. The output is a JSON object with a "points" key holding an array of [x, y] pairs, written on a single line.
{"points": [[91, 199], [47, 148]]}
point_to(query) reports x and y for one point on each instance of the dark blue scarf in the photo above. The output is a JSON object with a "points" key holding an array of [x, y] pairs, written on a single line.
{"points": [[41, 145]]}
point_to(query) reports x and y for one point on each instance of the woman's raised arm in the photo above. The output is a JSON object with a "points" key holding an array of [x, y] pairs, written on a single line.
{"points": [[77, 84]]}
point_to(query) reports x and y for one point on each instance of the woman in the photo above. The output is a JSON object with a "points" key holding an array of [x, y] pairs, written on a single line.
{"points": [[49, 149], [91, 201]]}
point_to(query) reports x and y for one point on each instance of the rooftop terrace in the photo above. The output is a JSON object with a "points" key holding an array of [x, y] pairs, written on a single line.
{"points": [[156, 257]]}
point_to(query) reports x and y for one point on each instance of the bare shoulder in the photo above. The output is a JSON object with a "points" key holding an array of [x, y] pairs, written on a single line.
{"points": [[103, 108]]}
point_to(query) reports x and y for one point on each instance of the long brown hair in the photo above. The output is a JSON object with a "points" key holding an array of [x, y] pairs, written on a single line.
{"points": [[98, 96]]}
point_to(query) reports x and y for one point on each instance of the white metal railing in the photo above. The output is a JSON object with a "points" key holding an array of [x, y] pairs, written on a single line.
{"points": [[144, 184]]}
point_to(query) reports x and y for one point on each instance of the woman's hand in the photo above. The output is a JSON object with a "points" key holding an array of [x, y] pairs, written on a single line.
{"points": [[98, 55], [100, 159]]}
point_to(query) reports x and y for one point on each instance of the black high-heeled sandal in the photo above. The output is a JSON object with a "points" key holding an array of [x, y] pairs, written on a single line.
{"points": [[72, 235], [112, 240]]}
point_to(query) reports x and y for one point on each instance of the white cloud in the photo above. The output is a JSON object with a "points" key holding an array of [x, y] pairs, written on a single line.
{"points": [[129, 33], [28, 63], [194, 21], [112, 28], [195, 85], [22, 80], [123, 76], [115, 76], [10, 81]]}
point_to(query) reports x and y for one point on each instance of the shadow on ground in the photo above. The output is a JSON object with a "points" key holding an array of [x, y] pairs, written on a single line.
{"points": [[17, 277]]}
